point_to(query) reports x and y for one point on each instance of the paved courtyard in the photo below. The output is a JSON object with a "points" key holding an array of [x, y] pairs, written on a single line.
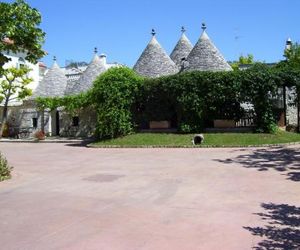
{"points": [[71, 197]]}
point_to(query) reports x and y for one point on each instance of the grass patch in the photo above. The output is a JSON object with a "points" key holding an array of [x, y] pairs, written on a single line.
{"points": [[210, 139]]}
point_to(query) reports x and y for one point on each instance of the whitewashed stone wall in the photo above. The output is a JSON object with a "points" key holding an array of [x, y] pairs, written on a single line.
{"points": [[86, 127], [16, 59], [291, 109], [21, 118]]}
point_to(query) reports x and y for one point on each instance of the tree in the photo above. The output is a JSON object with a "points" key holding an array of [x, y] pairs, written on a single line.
{"points": [[13, 85], [249, 59], [292, 55], [73, 64], [19, 31]]}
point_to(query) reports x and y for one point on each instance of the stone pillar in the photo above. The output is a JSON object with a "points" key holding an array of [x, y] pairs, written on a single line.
{"points": [[50, 125], [43, 120]]}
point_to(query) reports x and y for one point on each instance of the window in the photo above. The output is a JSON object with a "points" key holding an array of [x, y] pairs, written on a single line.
{"points": [[34, 122], [21, 63], [75, 121]]}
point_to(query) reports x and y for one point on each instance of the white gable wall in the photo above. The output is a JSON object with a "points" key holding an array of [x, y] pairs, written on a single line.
{"points": [[19, 58]]}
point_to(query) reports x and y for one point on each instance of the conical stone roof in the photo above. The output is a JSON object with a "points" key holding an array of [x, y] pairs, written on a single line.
{"points": [[53, 84], [85, 82], [205, 56], [70, 88], [181, 50], [154, 61]]}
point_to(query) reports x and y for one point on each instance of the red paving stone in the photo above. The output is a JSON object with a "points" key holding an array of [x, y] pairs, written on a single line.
{"points": [[70, 197]]}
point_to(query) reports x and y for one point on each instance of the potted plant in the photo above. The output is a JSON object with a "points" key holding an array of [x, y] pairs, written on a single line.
{"points": [[40, 135]]}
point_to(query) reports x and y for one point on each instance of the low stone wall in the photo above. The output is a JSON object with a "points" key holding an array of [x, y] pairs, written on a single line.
{"points": [[86, 123], [20, 120]]}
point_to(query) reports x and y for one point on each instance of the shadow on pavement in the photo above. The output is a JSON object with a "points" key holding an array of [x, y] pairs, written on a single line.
{"points": [[281, 159], [282, 229], [83, 143]]}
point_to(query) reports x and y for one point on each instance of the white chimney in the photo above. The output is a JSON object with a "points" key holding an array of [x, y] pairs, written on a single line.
{"points": [[288, 44]]}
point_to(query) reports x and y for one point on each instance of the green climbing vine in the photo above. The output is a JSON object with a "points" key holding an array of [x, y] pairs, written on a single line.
{"points": [[123, 100]]}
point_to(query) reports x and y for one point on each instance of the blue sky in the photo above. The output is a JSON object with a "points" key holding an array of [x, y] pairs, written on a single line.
{"points": [[121, 28]]}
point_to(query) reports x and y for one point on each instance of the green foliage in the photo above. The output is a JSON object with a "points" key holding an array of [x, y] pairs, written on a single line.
{"points": [[249, 59], [190, 100], [114, 94], [293, 55], [47, 102], [20, 23], [14, 84], [195, 99], [188, 92], [155, 100], [288, 74], [113, 122], [259, 84], [71, 103], [290, 69], [73, 64], [5, 169]]}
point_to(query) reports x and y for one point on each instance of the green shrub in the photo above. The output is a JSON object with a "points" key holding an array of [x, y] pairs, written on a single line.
{"points": [[5, 169], [259, 84], [114, 94], [157, 100], [113, 122], [195, 99], [192, 99]]}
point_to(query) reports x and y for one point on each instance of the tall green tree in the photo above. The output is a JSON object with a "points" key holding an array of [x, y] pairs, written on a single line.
{"points": [[13, 86], [19, 31]]}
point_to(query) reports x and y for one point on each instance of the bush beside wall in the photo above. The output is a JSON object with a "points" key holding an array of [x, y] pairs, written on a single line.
{"points": [[125, 101]]}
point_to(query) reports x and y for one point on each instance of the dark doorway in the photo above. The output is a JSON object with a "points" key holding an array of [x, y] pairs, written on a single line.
{"points": [[34, 122], [75, 121], [57, 122]]}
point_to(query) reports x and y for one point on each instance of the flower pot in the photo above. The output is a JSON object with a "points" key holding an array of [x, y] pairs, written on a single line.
{"points": [[160, 124], [219, 123]]}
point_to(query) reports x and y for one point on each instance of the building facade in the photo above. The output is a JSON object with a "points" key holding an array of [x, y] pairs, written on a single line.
{"points": [[24, 117]]}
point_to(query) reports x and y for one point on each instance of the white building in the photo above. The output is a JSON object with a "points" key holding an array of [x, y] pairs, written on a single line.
{"points": [[17, 60]]}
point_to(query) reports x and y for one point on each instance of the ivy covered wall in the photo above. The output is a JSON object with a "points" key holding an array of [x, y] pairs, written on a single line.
{"points": [[123, 101]]}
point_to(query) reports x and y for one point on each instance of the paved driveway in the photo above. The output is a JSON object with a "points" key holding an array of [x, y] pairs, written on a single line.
{"points": [[71, 197]]}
